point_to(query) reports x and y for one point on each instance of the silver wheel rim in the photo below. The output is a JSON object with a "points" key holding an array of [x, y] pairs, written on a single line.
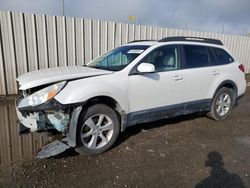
{"points": [[223, 104], [97, 131]]}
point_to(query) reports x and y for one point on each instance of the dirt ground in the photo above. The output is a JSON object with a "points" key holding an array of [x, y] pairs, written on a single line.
{"points": [[187, 151]]}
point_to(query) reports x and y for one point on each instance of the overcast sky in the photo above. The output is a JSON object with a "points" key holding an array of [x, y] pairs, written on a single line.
{"points": [[199, 15]]}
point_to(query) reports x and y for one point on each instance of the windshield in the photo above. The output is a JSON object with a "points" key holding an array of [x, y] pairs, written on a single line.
{"points": [[118, 58]]}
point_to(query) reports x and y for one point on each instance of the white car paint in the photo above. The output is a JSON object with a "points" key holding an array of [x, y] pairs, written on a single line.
{"points": [[52, 75], [138, 92], [143, 92], [112, 85]]}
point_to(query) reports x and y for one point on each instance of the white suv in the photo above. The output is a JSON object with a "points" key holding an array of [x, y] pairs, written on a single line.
{"points": [[139, 82]]}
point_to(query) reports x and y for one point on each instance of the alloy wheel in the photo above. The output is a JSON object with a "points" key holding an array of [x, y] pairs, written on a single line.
{"points": [[223, 104], [97, 131]]}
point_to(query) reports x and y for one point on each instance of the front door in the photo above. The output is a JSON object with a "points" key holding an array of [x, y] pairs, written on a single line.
{"points": [[160, 94]]}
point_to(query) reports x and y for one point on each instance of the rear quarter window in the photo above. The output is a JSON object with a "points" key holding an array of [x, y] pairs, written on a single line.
{"points": [[222, 56]]}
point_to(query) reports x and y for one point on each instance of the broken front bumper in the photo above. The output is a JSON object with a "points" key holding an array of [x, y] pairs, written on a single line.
{"points": [[43, 117], [26, 124], [47, 116]]}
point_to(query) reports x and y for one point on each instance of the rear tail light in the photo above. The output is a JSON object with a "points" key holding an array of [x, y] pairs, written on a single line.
{"points": [[242, 68]]}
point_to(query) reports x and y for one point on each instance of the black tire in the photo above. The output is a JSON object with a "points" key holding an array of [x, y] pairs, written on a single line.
{"points": [[97, 109], [213, 112]]}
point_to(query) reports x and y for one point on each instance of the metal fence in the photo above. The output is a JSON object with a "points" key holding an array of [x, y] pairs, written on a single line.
{"points": [[30, 42]]}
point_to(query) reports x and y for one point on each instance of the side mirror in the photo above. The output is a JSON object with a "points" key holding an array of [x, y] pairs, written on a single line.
{"points": [[146, 68]]}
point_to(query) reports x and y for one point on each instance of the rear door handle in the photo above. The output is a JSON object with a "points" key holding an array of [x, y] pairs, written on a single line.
{"points": [[177, 77], [215, 73]]}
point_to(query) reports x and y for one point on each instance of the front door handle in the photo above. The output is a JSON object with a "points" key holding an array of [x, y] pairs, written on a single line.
{"points": [[177, 77]]}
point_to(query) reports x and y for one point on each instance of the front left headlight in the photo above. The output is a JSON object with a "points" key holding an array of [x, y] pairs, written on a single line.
{"points": [[42, 96]]}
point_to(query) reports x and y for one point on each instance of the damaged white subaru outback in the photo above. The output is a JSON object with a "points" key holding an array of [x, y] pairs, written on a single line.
{"points": [[139, 82]]}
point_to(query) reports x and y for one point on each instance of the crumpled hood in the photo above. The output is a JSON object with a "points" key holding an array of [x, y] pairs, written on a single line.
{"points": [[52, 75]]}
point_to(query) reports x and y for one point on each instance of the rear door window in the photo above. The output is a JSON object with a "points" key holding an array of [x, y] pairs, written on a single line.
{"points": [[196, 56], [222, 56]]}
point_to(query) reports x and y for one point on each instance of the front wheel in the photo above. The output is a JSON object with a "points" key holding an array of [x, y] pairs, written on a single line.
{"points": [[222, 104], [98, 129]]}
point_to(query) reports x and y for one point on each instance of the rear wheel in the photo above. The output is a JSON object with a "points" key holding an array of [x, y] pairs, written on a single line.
{"points": [[98, 129], [222, 104]]}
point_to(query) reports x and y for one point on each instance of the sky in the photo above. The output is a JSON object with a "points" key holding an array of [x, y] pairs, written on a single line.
{"points": [[220, 16]]}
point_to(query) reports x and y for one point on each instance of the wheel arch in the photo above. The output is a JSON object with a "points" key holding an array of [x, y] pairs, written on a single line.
{"points": [[109, 101], [228, 84]]}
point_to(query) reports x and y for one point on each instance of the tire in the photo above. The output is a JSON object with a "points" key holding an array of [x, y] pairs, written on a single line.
{"points": [[97, 130], [225, 99]]}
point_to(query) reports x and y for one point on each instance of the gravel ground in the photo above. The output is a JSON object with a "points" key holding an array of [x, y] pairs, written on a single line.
{"points": [[187, 151]]}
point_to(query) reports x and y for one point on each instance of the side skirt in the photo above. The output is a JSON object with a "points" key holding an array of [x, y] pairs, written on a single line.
{"points": [[149, 115]]}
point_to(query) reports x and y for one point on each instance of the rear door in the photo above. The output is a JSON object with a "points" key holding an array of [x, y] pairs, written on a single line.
{"points": [[199, 77], [221, 61], [224, 67]]}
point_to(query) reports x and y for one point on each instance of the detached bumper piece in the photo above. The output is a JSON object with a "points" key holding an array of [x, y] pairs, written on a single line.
{"points": [[52, 149]]}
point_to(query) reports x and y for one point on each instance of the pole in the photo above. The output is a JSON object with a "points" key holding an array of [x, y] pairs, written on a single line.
{"points": [[63, 7]]}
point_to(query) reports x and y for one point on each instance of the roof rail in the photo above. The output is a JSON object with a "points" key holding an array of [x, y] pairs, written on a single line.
{"points": [[192, 39], [140, 41]]}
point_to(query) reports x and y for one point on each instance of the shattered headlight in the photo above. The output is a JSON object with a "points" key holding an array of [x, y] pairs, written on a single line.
{"points": [[42, 96]]}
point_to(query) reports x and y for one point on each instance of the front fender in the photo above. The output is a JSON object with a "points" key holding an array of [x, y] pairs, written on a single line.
{"points": [[82, 90]]}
